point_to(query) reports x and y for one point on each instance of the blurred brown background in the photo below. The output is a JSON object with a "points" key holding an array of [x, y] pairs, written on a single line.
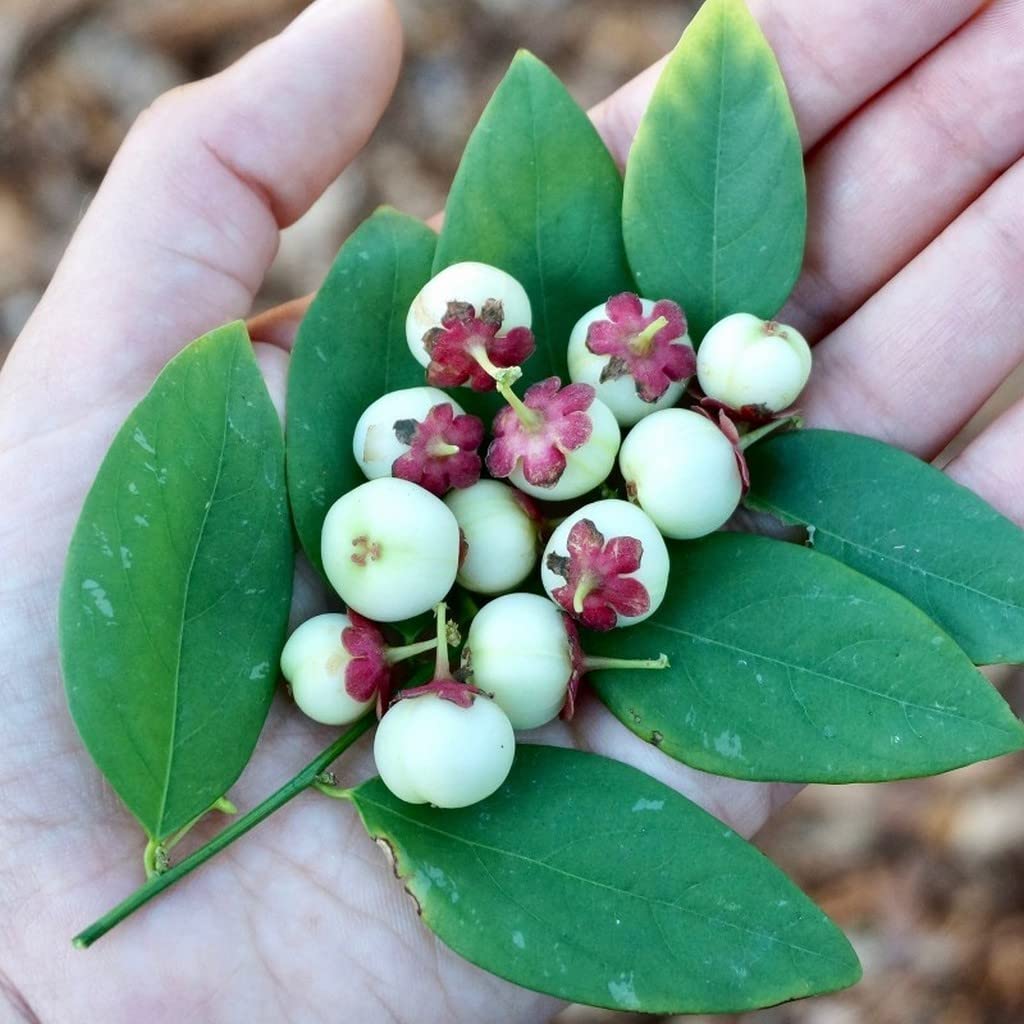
{"points": [[927, 877]]}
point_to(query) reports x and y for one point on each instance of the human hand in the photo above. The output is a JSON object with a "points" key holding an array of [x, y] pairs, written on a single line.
{"points": [[304, 921]]}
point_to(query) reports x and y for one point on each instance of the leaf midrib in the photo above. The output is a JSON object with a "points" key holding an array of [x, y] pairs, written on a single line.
{"points": [[182, 618], [789, 666], [593, 882], [768, 506]]}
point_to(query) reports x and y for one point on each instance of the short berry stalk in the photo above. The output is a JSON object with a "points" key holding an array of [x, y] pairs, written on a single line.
{"points": [[594, 663]]}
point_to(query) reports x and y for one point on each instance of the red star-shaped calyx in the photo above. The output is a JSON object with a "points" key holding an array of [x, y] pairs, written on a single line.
{"points": [[598, 588], [442, 450]]}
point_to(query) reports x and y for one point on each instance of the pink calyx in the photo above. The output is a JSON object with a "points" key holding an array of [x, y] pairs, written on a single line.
{"points": [[442, 450], [643, 346], [540, 429], [598, 588], [466, 348]]}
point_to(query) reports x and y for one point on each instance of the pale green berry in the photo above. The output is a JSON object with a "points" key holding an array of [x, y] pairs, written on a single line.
{"points": [[467, 282], [746, 361], [376, 444], [430, 750], [314, 661], [390, 549], [582, 568], [500, 539], [682, 471]]}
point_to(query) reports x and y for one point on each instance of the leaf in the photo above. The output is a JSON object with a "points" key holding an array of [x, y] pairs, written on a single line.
{"points": [[178, 583], [350, 350], [715, 206], [590, 881], [787, 665], [538, 195], [907, 525]]}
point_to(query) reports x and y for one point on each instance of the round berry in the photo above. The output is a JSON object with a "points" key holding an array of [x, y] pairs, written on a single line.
{"points": [[556, 442], [419, 435], [517, 650], [390, 549], [635, 352], [476, 304], [747, 363], [433, 750], [606, 565], [499, 534], [314, 661], [682, 471]]}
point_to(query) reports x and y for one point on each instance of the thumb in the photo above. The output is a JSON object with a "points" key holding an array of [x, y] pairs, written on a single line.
{"points": [[186, 223]]}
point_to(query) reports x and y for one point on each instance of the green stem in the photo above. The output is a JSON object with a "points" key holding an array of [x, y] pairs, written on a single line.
{"points": [[396, 654], [595, 664], [306, 778], [442, 669], [529, 419], [770, 428], [502, 374], [149, 859], [641, 344]]}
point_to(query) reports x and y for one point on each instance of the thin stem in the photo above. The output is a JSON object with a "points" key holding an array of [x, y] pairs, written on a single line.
{"points": [[222, 804], [236, 830], [335, 792], [641, 344], [442, 668], [595, 664], [506, 374], [528, 417], [149, 859], [394, 655], [770, 428], [583, 590]]}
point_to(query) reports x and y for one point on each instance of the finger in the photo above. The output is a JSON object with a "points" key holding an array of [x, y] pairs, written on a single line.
{"points": [[992, 465], [901, 169], [917, 360], [832, 61], [186, 223]]}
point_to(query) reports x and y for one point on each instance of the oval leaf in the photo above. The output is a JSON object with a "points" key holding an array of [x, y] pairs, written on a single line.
{"points": [[177, 586], [904, 523], [538, 194], [350, 350], [590, 881], [715, 206], [787, 665]]}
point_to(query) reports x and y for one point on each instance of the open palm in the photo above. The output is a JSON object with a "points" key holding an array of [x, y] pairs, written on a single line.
{"points": [[912, 116]]}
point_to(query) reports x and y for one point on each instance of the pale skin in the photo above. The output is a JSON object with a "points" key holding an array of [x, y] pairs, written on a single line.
{"points": [[912, 116]]}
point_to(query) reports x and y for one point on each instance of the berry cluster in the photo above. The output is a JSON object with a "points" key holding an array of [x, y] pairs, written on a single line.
{"points": [[393, 547]]}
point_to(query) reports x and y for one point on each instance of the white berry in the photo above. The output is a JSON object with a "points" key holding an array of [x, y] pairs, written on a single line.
{"points": [[586, 467], [430, 750], [682, 471], [314, 662], [582, 566], [517, 649], [375, 444], [470, 282], [745, 361], [390, 549], [619, 393], [499, 536]]}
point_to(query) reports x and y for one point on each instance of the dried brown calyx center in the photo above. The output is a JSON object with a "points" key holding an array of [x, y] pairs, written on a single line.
{"points": [[364, 550]]}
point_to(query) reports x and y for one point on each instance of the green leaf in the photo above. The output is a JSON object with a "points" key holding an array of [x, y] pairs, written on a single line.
{"points": [[787, 665], [907, 525], [590, 881], [350, 350], [177, 586], [538, 195], [715, 206]]}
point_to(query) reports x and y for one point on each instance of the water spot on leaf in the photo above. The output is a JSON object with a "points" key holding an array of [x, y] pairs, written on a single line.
{"points": [[648, 805], [126, 557], [99, 598], [141, 521], [260, 671], [518, 940], [729, 744], [622, 991], [140, 439]]}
